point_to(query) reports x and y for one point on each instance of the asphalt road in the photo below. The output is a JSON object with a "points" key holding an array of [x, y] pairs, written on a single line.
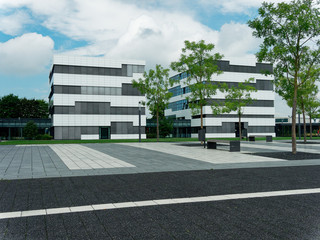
{"points": [[285, 217]]}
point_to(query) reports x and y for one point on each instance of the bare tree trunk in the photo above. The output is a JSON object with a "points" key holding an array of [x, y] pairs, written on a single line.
{"points": [[310, 126], [157, 125], [239, 126], [294, 112], [304, 125]]}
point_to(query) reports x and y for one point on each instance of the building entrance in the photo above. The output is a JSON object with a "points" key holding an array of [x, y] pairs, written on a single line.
{"points": [[104, 132]]}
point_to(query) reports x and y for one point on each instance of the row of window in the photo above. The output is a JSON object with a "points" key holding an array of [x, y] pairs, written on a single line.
{"points": [[259, 85], [226, 67], [101, 108], [127, 90], [183, 104], [176, 91], [126, 71], [178, 105]]}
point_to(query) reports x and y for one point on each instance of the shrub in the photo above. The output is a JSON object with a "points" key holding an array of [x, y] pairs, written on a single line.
{"points": [[30, 131], [43, 137], [46, 137]]}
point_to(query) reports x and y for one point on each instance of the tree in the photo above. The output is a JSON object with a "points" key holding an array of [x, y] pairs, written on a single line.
{"points": [[30, 131], [10, 106], [306, 80], [312, 109], [199, 64], [155, 86], [286, 30], [165, 124], [237, 97]]}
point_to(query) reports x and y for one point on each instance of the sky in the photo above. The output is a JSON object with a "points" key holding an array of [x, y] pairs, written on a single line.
{"points": [[31, 31]]}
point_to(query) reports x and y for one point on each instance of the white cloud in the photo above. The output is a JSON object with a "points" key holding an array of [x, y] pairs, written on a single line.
{"points": [[26, 55], [236, 6], [13, 24], [120, 29], [236, 40]]}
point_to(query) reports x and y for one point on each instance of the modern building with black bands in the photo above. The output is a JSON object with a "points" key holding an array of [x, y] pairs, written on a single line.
{"points": [[258, 117], [93, 98]]}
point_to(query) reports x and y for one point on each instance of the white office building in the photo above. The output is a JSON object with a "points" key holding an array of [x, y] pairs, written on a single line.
{"points": [[258, 118], [93, 98]]}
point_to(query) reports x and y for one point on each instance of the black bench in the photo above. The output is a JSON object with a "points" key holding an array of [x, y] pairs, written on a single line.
{"points": [[252, 138], [234, 145]]}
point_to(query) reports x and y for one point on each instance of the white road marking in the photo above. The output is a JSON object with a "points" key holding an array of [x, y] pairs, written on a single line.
{"points": [[108, 206]]}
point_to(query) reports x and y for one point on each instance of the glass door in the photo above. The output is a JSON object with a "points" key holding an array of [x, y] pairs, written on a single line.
{"points": [[104, 132]]}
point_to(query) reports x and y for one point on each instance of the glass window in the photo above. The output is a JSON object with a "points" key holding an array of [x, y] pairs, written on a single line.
{"points": [[101, 90], [90, 90], [84, 90], [95, 90]]}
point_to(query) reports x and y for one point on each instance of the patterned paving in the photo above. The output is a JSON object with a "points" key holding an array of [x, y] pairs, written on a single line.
{"points": [[77, 156]]}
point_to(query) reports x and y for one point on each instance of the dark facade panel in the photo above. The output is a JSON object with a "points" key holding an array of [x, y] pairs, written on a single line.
{"points": [[232, 116], [225, 66], [129, 90], [127, 111], [256, 103], [126, 70], [101, 108], [227, 127], [264, 85], [89, 130], [261, 129], [67, 133], [125, 128]]}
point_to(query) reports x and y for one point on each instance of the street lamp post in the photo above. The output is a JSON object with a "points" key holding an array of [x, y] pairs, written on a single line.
{"points": [[139, 121]]}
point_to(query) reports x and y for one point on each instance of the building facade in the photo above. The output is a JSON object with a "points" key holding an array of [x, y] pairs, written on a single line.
{"points": [[93, 98], [257, 119]]}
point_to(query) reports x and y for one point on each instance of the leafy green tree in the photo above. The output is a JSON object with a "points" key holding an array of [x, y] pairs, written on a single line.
{"points": [[312, 107], [237, 97], [10, 106], [286, 30], [155, 86], [165, 124], [200, 65], [307, 78], [30, 131]]}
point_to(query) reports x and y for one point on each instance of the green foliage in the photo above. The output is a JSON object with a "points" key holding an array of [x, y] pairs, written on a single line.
{"points": [[288, 30], [199, 63], [43, 137], [155, 86], [12, 106], [237, 97], [30, 131]]}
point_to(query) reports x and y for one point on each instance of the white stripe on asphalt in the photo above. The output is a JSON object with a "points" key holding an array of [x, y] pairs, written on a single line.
{"points": [[107, 206]]}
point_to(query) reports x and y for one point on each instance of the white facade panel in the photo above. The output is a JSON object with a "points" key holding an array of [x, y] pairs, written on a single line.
{"points": [[128, 136], [93, 61], [264, 107], [95, 120], [89, 136], [64, 117], [93, 80], [120, 101]]}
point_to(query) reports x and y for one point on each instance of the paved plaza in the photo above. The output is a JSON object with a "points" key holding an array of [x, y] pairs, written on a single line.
{"points": [[158, 191]]}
